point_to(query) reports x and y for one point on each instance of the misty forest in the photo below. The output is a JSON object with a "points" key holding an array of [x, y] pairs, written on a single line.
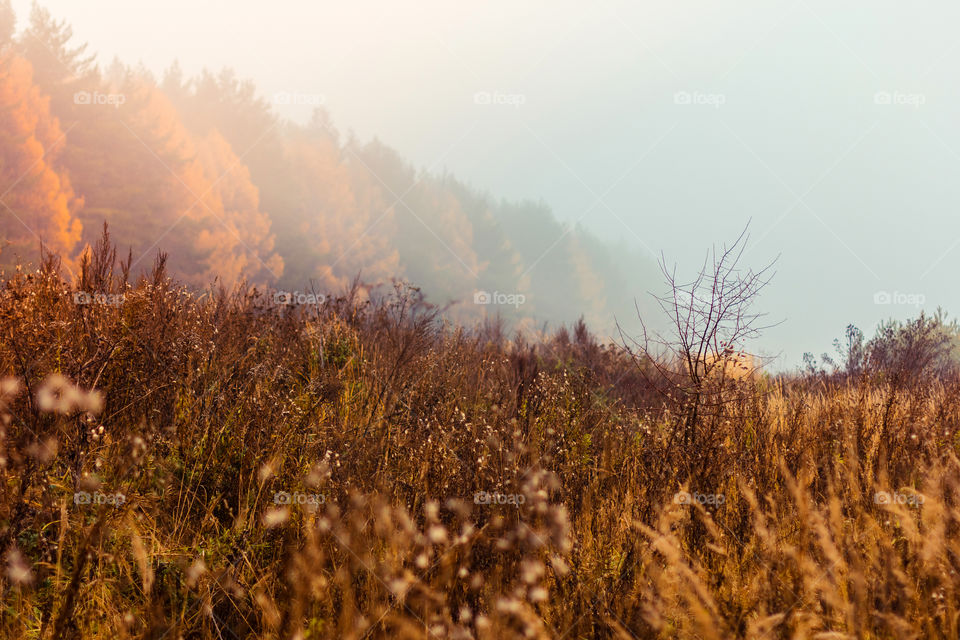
{"points": [[203, 170]]}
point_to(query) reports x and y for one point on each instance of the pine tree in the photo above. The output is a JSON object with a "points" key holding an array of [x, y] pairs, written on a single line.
{"points": [[8, 24], [61, 70]]}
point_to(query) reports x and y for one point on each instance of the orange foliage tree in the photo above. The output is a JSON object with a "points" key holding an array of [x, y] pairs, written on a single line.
{"points": [[37, 203]]}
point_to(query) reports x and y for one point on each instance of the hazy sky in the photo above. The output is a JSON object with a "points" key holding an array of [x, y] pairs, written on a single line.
{"points": [[665, 125]]}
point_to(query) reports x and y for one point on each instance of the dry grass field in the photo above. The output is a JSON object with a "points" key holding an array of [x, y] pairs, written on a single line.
{"points": [[183, 464]]}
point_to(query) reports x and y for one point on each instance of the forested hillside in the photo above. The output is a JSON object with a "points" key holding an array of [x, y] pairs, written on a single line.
{"points": [[204, 168]]}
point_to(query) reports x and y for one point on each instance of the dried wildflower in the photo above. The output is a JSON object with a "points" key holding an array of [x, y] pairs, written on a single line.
{"points": [[44, 451], [18, 571], [437, 534], [432, 510], [9, 388], [265, 472], [275, 516], [559, 565], [531, 571], [58, 395], [195, 571], [537, 594]]}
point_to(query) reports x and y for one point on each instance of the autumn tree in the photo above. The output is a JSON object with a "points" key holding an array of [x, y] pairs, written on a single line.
{"points": [[37, 203]]}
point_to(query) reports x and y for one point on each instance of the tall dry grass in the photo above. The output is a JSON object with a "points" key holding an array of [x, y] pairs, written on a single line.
{"points": [[360, 469]]}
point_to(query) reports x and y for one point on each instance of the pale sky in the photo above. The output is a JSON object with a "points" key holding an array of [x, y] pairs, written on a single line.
{"points": [[662, 124]]}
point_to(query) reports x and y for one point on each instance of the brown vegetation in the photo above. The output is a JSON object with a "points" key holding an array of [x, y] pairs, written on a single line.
{"points": [[361, 469]]}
